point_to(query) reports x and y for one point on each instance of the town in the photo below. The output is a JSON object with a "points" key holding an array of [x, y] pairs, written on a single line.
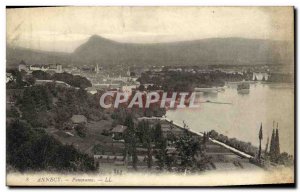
{"points": [[150, 96], [64, 103]]}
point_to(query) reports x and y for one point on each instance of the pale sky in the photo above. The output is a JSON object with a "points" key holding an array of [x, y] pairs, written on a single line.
{"points": [[65, 28]]}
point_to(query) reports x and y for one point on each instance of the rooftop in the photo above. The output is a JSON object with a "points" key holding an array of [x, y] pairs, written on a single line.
{"points": [[78, 119], [119, 129]]}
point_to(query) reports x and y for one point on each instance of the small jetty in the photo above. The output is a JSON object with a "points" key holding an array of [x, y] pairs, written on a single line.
{"points": [[215, 102], [209, 89]]}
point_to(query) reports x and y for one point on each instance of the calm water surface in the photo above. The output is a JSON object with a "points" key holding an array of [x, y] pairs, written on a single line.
{"points": [[241, 119]]}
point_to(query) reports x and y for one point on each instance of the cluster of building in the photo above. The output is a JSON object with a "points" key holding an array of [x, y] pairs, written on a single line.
{"points": [[101, 80], [260, 76], [56, 68]]}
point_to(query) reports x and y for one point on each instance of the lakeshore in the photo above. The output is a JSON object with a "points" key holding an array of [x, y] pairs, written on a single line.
{"points": [[265, 103]]}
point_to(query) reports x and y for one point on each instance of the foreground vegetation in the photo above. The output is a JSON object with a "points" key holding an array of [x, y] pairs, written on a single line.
{"points": [[31, 149], [188, 154]]}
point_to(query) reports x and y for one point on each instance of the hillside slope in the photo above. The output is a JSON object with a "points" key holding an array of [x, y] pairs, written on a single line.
{"points": [[237, 51]]}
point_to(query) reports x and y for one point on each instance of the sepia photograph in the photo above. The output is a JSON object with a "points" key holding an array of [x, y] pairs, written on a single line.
{"points": [[136, 96]]}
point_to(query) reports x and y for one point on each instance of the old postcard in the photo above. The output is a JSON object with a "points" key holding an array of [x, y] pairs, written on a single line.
{"points": [[150, 96]]}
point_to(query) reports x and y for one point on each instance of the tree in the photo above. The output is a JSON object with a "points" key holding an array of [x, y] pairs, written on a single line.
{"points": [[161, 153], [170, 159], [272, 147], [73, 80], [187, 149], [165, 159], [213, 134], [34, 150], [30, 80], [18, 76], [146, 139], [130, 140], [35, 103], [141, 87], [267, 146], [158, 134], [260, 136], [81, 130], [205, 138], [42, 75], [276, 145], [286, 159]]}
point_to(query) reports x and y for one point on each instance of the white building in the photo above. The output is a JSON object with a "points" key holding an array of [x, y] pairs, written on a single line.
{"points": [[57, 68], [128, 88], [23, 67], [260, 76], [9, 77], [38, 68], [97, 69]]}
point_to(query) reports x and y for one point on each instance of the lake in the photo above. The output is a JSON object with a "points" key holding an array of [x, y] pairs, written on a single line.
{"points": [[241, 118]]}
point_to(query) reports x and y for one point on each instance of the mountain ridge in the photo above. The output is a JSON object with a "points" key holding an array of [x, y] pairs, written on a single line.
{"points": [[106, 52]]}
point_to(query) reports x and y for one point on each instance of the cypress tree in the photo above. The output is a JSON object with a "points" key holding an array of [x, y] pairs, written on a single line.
{"points": [[131, 141], [272, 145], [277, 147], [260, 136], [267, 145], [204, 138]]}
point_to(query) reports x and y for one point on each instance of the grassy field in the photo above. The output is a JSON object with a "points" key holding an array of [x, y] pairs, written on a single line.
{"points": [[85, 144]]}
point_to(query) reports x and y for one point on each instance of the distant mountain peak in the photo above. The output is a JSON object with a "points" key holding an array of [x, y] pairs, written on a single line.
{"points": [[106, 52], [99, 38]]}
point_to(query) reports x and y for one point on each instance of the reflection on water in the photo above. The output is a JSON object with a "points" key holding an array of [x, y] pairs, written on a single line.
{"points": [[264, 103]]}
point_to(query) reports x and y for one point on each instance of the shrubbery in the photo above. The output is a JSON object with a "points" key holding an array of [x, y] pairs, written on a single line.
{"points": [[32, 149], [48, 105], [80, 130]]}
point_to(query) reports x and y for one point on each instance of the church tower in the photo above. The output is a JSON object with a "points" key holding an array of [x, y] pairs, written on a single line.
{"points": [[97, 69], [128, 73]]}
